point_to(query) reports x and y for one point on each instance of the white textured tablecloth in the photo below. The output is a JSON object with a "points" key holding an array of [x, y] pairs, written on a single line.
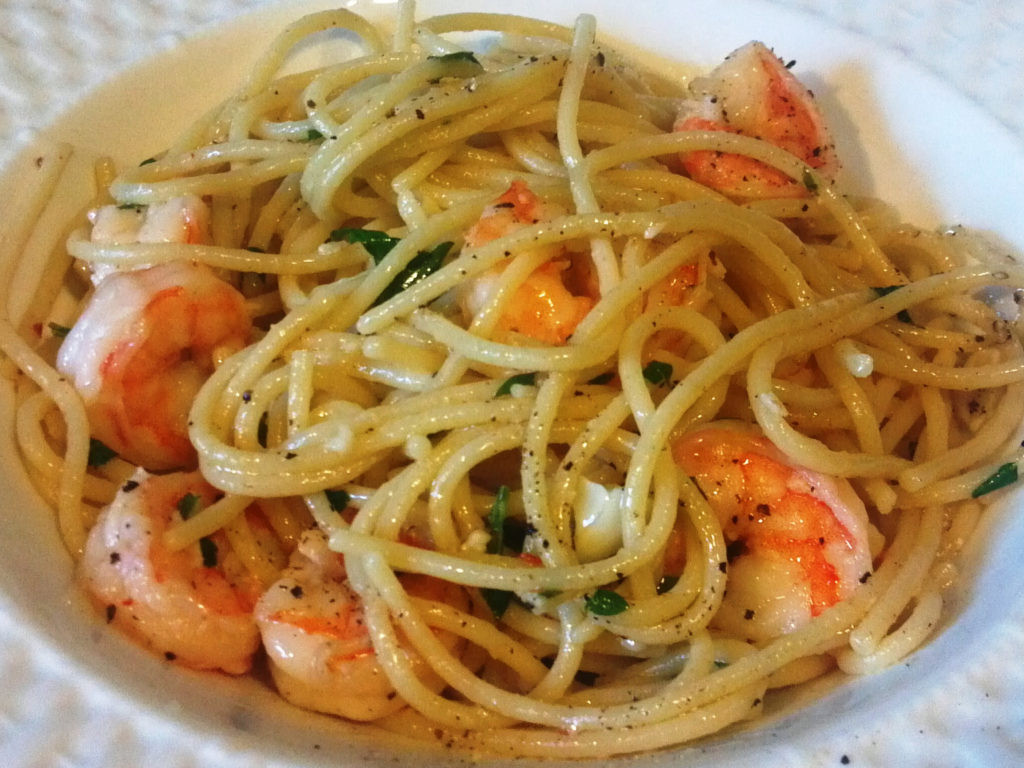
{"points": [[53, 50]]}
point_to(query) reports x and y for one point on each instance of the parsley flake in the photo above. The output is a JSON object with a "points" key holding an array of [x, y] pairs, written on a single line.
{"points": [[666, 583], [58, 330], [497, 599], [903, 316], [338, 499], [658, 373], [208, 549], [496, 521], [99, 453], [605, 602], [378, 244], [1006, 475], [524, 379], [188, 505], [423, 264], [456, 56]]}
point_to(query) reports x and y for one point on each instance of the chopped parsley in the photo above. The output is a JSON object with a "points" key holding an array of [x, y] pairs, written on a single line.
{"points": [[658, 373], [496, 521], [208, 549], [903, 316], [605, 602], [1006, 475], [379, 244], [313, 135], [497, 599], [58, 330], [456, 57], [809, 180], [188, 505], [524, 379], [99, 453], [263, 430], [423, 264], [338, 499], [666, 583]]}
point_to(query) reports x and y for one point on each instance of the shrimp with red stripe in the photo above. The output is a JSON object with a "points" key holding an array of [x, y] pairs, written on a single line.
{"points": [[797, 540], [753, 93], [320, 650], [546, 306]]}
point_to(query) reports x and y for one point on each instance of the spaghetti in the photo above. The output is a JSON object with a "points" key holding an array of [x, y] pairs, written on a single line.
{"points": [[503, 348]]}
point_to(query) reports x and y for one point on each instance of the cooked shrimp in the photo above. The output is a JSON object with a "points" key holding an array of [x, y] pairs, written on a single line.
{"points": [[140, 351], [184, 219], [797, 540], [320, 651], [193, 605], [673, 289], [543, 307], [754, 94], [683, 286]]}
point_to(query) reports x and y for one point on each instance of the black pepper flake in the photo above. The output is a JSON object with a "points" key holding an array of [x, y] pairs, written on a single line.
{"points": [[130, 486], [247, 396], [208, 550], [845, 760], [748, 614], [111, 612], [296, 591], [864, 579], [170, 655], [115, 558], [735, 549], [420, 115]]}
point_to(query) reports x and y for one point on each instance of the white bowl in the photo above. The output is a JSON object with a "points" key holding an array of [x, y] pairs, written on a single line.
{"points": [[79, 694]]}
